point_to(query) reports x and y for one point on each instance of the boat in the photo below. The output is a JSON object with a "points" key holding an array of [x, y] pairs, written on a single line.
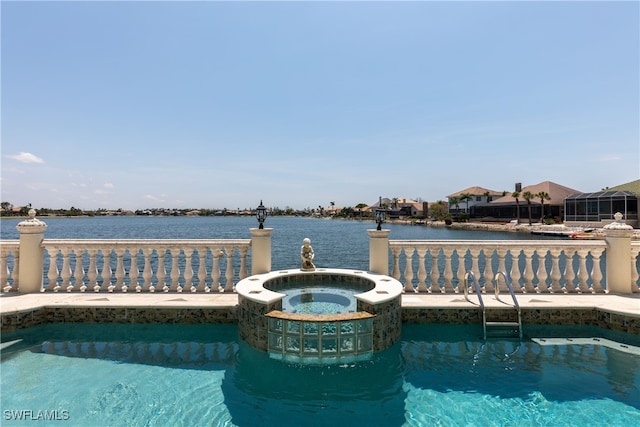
{"points": [[563, 234], [585, 234]]}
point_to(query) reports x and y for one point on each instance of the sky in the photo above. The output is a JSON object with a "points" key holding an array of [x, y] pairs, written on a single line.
{"points": [[207, 104]]}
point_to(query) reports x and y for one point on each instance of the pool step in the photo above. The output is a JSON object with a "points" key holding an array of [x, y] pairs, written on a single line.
{"points": [[503, 329], [504, 324]]}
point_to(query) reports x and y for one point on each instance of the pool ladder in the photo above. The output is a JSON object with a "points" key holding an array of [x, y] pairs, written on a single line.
{"points": [[497, 326]]}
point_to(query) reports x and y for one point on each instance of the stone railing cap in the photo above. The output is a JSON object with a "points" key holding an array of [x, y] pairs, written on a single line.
{"points": [[378, 233], [32, 223], [617, 224]]}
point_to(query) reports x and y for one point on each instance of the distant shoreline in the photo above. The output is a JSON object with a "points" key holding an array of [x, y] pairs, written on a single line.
{"points": [[597, 233], [470, 226]]}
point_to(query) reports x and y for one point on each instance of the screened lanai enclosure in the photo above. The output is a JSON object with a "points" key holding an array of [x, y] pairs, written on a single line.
{"points": [[597, 209]]}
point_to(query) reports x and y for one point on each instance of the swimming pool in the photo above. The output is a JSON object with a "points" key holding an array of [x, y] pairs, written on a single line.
{"points": [[111, 374]]}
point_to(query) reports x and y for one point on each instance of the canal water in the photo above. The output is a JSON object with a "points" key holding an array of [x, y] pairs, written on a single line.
{"points": [[336, 243]]}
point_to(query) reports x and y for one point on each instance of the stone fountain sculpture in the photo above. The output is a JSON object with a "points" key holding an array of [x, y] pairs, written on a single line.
{"points": [[306, 254]]}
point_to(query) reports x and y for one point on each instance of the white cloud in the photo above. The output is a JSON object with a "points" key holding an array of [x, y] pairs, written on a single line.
{"points": [[610, 158], [25, 157], [154, 198], [106, 189]]}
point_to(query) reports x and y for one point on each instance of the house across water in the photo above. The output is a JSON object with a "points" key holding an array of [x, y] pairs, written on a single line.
{"points": [[549, 201]]}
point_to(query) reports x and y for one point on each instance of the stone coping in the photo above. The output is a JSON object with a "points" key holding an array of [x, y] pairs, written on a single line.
{"points": [[12, 303], [627, 304], [301, 317], [385, 288]]}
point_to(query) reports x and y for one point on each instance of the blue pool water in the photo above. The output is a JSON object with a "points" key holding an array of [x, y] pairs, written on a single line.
{"points": [[135, 375], [319, 300]]}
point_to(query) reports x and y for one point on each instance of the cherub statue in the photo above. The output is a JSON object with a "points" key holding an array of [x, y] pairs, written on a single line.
{"points": [[306, 254]]}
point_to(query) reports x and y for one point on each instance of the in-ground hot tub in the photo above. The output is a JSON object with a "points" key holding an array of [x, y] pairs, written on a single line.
{"points": [[322, 316]]}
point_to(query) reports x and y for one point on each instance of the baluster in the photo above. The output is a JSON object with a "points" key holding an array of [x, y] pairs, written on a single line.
{"points": [[188, 270], [434, 273], [208, 273], [161, 271], [65, 272], [106, 270], [555, 270], [408, 269], [53, 270], [4, 271], [147, 271], [488, 270], [99, 268], [202, 271], [583, 274], [422, 271], [395, 250], [175, 271], [448, 269], [119, 273], [229, 286], [569, 271], [78, 273], [460, 252], [502, 265], [243, 261], [596, 276], [15, 274], [92, 272], [635, 251], [215, 271], [134, 271], [475, 254], [515, 270], [542, 271], [528, 270]]}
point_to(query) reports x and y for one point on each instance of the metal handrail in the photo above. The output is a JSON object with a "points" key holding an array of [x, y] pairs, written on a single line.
{"points": [[476, 287], [509, 287], [496, 286]]}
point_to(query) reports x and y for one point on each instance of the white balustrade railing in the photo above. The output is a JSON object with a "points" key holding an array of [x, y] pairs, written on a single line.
{"points": [[635, 264], [9, 262], [438, 266], [425, 266], [144, 265]]}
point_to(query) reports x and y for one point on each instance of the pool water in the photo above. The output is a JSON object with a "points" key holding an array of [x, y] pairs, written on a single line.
{"points": [[135, 375], [319, 300]]}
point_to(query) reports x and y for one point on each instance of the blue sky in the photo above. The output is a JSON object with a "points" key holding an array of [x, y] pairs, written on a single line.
{"points": [[221, 104]]}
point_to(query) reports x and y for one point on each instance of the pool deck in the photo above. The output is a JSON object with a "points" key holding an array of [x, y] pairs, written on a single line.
{"points": [[11, 303]]}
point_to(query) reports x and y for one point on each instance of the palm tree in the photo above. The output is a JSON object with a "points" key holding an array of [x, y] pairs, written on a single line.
{"points": [[543, 196], [516, 195], [528, 195], [455, 201], [465, 197], [6, 205]]}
